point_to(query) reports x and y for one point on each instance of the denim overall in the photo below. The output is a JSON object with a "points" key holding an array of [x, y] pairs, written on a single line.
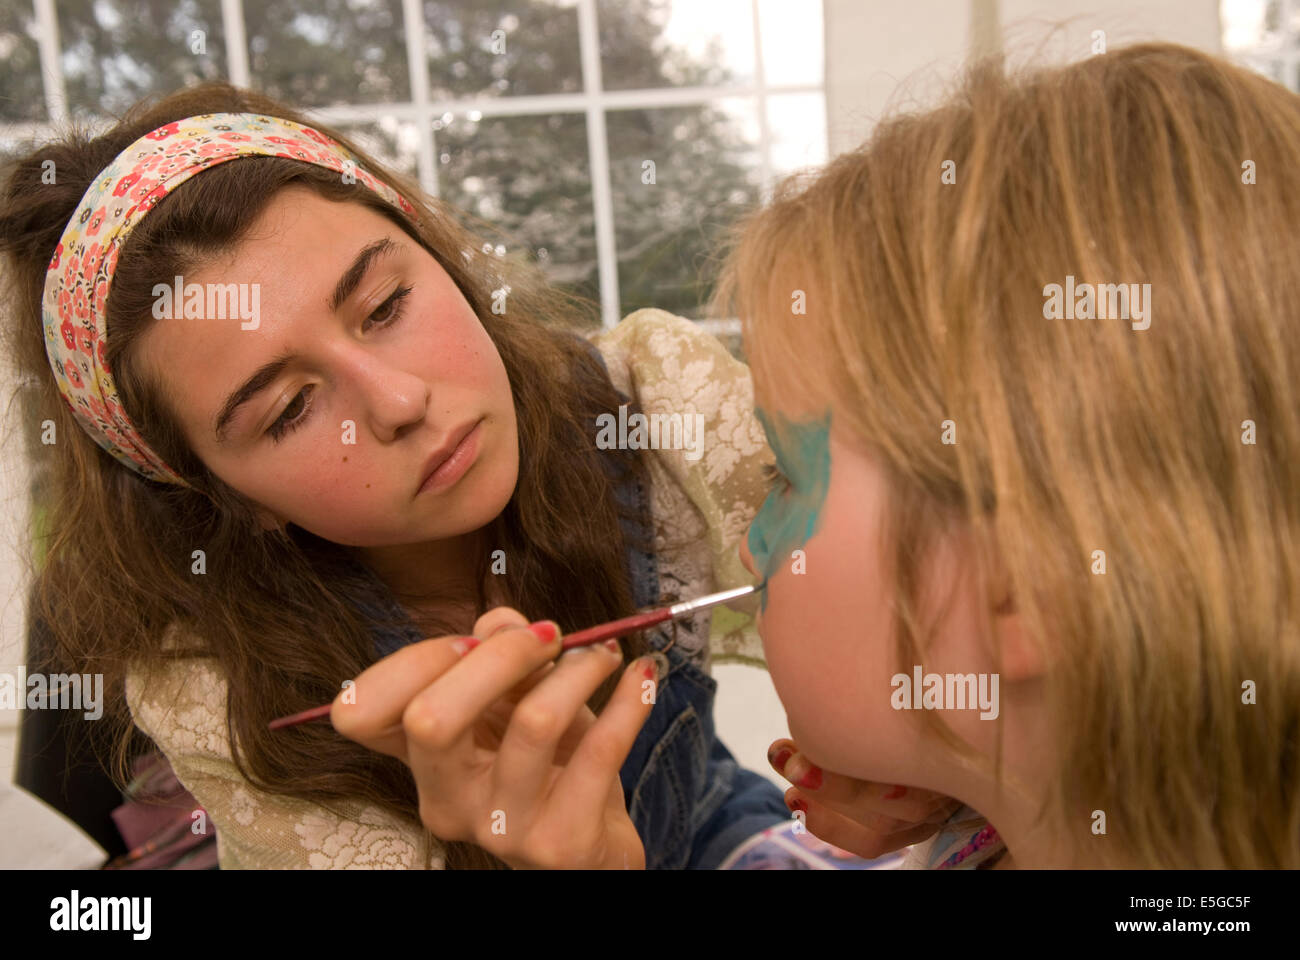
{"points": [[690, 802]]}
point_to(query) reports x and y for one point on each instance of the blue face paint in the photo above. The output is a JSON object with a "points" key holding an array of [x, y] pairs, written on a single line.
{"points": [[792, 511]]}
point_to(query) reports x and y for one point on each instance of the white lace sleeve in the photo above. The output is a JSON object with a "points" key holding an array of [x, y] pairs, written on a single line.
{"points": [[181, 706], [709, 493]]}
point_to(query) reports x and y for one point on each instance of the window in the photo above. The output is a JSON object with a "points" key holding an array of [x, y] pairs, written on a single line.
{"points": [[613, 139], [1264, 35]]}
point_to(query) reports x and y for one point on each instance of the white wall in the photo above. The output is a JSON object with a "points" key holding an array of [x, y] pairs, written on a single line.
{"points": [[874, 45], [14, 576]]}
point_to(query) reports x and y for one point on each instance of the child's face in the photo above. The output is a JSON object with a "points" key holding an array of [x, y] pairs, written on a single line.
{"points": [[827, 616], [376, 389]]}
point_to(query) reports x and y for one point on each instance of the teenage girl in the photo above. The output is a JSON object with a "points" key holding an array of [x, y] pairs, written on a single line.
{"points": [[305, 441]]}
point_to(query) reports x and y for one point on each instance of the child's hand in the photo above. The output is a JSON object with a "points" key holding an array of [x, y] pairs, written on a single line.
{"points": [[505, 752], [866, 818]]}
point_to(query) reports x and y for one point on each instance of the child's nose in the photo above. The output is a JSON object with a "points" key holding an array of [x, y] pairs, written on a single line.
{"points": [[745, 557]]}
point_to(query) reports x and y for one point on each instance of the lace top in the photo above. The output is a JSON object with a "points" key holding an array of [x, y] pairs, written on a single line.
{"points": [[700, 505]]}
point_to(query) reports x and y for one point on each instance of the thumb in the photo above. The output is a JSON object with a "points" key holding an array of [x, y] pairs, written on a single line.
{"points": [[498, 619]]}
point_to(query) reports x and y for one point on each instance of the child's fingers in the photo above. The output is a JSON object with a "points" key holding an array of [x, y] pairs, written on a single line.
{"points": [[875, 838], [853, 797], [586, 781], [543, 717], [370, 711]]}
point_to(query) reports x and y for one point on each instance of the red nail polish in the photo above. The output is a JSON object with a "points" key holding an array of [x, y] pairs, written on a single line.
{"points": [[612, 645], [779, 761], [797, 804], [545, 630], [812, 779], [896, 793]]}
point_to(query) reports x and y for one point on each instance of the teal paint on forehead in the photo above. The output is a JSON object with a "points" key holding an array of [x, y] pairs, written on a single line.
{"points": [[789, 517]]}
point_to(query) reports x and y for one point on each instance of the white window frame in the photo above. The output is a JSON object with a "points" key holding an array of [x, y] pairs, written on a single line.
{"points": [[1261, 58], [593, 101]]}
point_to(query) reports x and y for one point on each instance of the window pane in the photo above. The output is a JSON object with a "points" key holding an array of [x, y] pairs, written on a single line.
{"points": [[675, 43], [528, 176], [535, 50], [1256, 24], [389, 140], [706, 173], [793, 41], [116, 51], [21, 95], [1243, 22], [796, 124], [316, 53]]}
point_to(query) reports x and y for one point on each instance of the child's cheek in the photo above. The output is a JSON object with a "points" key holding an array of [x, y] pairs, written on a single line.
{"points": [[803, 642], [760, 541]]}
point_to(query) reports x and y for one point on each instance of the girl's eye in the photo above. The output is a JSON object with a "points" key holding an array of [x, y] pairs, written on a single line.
{"points": [[390, 311], [386, 314], [774, 477], [277, 430]]}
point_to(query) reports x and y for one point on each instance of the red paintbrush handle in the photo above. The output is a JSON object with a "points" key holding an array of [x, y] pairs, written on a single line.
{"points": [[315, 713], [583, 638], [616, 628]]}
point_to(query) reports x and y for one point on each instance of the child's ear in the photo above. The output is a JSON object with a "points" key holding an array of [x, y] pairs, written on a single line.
{"points": [[1020, 656]]}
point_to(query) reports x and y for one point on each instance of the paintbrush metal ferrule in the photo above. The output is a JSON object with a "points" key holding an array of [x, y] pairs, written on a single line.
{"points": [[713, 599], [651, 618]]}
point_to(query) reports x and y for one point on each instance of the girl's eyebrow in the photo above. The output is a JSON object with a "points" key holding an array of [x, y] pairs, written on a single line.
{"points": [[267, 373], [352, 276]]}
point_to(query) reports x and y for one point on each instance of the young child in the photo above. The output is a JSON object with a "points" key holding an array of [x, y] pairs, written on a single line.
{"points": [[1028, 364], [300, 425]]}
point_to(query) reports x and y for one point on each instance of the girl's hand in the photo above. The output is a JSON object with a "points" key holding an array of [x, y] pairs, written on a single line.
{"points": [[505, 752], [861, 816]]}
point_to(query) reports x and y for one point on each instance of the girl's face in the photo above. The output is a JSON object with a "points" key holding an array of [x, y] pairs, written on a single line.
{"points": [[826, 619], [388, 371]]}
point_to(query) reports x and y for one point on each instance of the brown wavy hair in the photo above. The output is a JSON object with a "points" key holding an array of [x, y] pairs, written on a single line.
{"points": [[278, 612], [925, 303]]}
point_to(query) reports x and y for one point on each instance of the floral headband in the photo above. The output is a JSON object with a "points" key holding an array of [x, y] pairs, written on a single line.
{"points": [[81, 270]]}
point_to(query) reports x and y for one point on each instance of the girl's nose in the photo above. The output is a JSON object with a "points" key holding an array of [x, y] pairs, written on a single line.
{"points": [[395, 397], [745, 557]]}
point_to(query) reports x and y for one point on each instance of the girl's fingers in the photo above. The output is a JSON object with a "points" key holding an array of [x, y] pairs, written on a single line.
{"points": [[506, 618], [516, 693], [879, 836], [543, 717], [442, 713], [370, 711], [585, 783], [498, 619]]}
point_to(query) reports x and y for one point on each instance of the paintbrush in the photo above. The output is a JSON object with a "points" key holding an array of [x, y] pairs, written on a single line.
{"points": [[585, 638]]}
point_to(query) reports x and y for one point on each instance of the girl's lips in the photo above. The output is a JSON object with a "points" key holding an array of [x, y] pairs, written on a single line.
{"points": [[454, 467]]}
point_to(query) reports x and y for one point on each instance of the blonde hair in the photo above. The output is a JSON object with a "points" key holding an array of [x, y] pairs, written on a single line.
{"points": [[926, 303]]}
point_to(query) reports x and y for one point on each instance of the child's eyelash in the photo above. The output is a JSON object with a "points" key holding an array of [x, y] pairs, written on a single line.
{"points": [[395, 306]]}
